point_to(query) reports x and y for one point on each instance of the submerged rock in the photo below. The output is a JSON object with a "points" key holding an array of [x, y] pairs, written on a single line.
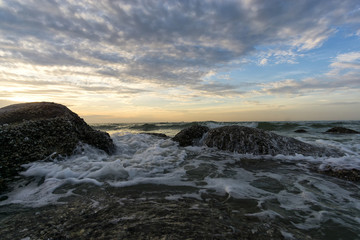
{"points": [[346, 174], [137, 218], [160, 135], [342, 130], [300, 131], [189, 136], [35, 131]]}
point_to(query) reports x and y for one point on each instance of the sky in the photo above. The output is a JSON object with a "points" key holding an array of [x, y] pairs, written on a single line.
{"points": [[186, 60]]}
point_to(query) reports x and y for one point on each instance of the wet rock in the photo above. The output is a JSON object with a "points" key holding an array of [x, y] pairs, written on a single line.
{"points": [[139, 219], [346, 174], [191, 135], [160, 135], [342, 130], [300, 131], [36, 131], [247, 140]]}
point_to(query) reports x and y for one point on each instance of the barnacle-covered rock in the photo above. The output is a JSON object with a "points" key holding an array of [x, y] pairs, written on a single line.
{"points": [[35, 131], [259, 142], [191, 135]]}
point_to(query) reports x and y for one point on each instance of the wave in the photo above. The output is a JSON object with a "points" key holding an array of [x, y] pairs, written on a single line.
{"points": [[110, 126], [139, 127], [278, 126], [145, 127], [172, 128], [326, 124], [181, 125]]}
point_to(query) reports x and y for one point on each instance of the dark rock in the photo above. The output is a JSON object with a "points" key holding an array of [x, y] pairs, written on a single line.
{"points": [[256, 141], [189, 136], [300, 131], [346, 174], [135, 219], [342, 130], [160, 135], [17, 113], [36, 131]]}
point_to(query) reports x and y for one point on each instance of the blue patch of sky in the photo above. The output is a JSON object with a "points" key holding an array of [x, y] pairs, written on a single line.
{"points": [[309, 64]]}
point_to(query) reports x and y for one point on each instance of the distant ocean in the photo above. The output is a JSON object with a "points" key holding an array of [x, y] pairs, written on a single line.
{"points": [[285, 190]]}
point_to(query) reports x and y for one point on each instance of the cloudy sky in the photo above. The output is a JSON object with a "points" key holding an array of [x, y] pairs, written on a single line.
{"points": [[186, 60]]}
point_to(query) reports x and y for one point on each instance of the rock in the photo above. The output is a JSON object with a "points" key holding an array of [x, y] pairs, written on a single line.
{"points": [[247, 140], [35, 131], [342, 130], [160, 135], [300, 131], [189, 136], [345, 174], [138, 218]]}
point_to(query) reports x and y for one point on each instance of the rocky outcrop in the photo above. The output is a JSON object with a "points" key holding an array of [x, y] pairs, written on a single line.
{"points": [[191, 135], [248, 140], [342, 130], [35, 131], [255, 141]]}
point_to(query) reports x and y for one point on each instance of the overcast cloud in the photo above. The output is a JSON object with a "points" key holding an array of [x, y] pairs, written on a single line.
{"points": [[185, 49], [168, 43]]}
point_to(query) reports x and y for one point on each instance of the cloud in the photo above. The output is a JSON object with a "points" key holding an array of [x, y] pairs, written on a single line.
{"points": [[311, 85], [346, 62], [263, 61], [344, 74], [170, 44], [218, 89], [342, 103]]}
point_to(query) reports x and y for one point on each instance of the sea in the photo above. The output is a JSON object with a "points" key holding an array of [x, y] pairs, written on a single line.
{"points": [[288, 192]]}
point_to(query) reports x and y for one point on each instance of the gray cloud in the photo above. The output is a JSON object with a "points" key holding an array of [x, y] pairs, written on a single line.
{"points": [[342, 103], [306, 86], [218, 89], [169, 43]]}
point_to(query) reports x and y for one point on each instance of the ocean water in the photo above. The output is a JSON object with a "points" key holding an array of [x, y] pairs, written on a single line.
{"points": [[286, 190]]}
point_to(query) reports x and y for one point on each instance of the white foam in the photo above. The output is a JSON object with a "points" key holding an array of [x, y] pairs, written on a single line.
{"points": [[145, 159], [265, 215], [36, 196], [222, 124], [287, 235], [237, 187], [176, 197], [139, 159]]}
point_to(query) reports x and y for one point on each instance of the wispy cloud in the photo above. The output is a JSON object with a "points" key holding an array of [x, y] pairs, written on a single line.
{"points": [[168, 43], [173, 50], [344, 75]]}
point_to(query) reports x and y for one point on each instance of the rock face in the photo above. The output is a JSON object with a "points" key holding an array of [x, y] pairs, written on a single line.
{"points": [[342, 130], [34, 131], [189, 136]]}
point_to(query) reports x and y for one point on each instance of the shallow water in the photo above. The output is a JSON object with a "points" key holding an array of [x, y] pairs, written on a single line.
{"points": [[285, 192]]}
